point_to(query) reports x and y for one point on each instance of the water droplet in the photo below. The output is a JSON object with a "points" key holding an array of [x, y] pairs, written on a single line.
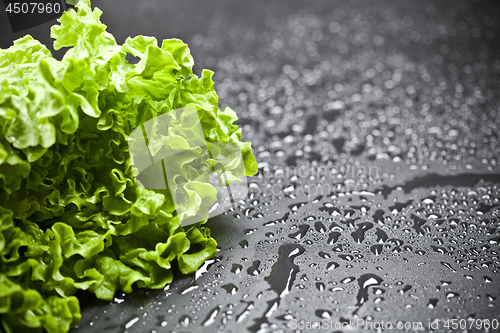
{"points": [[236, 268], [131, 323], [332, 265], [303, 228], [381, 235], [405, 289], [348, 279], [379, 216], [346, 257], [365, 281], [330, 209], [280, 279], [320, 227], [439, 249], [333, 237], [211, 316], [254, 269], [326, 314], [320, 286], [249, 231], [445, 264], [359, 234], [376, 249], [418, 223], [184, 321], [230, 288], [432, 303], [324, 255]]}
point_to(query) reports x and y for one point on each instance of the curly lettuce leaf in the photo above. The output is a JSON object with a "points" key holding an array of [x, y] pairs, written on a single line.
{"points": [[72, 215]]}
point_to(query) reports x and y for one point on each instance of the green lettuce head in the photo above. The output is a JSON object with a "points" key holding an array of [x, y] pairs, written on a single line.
{"points": [[75, 213]]}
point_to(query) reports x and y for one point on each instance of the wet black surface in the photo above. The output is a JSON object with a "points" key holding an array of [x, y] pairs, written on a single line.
{"points": [[375, 125]]}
